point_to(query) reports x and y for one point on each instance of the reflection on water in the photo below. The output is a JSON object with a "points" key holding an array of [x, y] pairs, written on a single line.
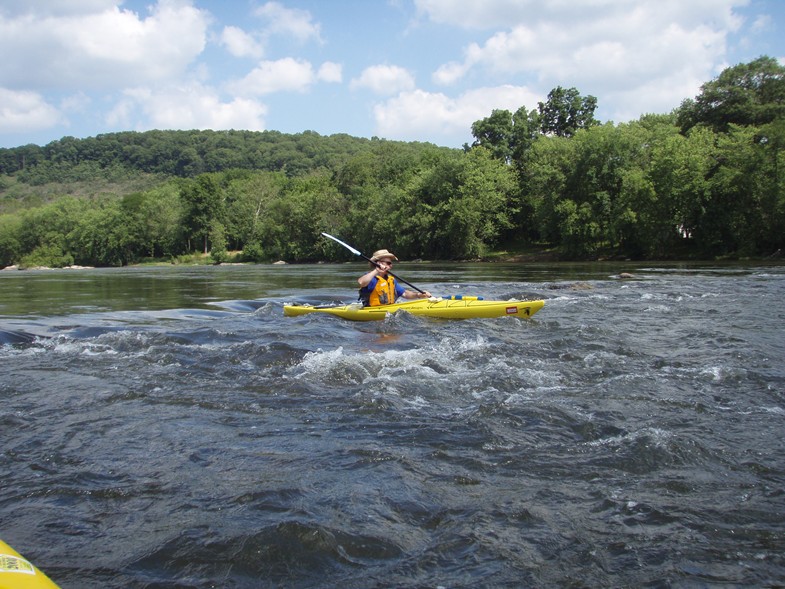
{"points": [[59, 292]]}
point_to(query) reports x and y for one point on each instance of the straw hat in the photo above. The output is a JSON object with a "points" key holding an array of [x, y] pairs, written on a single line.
{"points": [[380, 254]]}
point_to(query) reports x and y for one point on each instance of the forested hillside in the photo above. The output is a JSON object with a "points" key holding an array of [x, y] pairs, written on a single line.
{"points": [[178, 153], [704, 181]]}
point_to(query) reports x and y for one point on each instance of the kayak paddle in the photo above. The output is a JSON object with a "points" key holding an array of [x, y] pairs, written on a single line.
{"points": [[357, 252]]}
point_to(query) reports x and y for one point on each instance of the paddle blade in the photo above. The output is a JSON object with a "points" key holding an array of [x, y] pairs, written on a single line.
{"points": [[346, 245]]}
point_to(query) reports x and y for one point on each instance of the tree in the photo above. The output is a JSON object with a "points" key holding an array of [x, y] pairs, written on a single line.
{"points": [[566, 111], [456, 209], [291, 226], [248, 199], [9, 239], [746, 94], [218, 251], [546, 173], [203, 200], [738, 219], [50, 224], [577, 228], [508, 136], [495, 133], [157, 220], [525, 129], [772, 139], [102, 236], [678, 172], [591, 191], [482, 208], [50, 255]]}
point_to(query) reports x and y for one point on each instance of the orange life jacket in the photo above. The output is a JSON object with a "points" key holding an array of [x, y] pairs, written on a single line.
{"points": [[382, 294]]}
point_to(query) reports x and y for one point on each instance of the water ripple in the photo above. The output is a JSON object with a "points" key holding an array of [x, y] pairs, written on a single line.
{"points": [[628, 435]]}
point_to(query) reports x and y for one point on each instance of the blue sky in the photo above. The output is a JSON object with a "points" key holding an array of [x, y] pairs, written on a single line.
{"points": [[412, 70]]}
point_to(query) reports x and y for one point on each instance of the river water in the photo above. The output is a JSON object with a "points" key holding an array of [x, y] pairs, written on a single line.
{"points": [[170, 428]]}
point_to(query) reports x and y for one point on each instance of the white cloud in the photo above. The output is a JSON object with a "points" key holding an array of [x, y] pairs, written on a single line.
{"points": [[571, 15], [449, 73], [278, 21], [190, 106], [417, 114], [122, 114], [552, 53], [103, 49], [240, 44], [25, 111], [330, 72], [76, 103], [384, 79], [289, 22], [286, 74], [69, 59], [604, 47], [762, 23]]}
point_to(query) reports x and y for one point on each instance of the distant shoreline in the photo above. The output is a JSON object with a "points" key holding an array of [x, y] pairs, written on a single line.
{"points": [[529, 257]]}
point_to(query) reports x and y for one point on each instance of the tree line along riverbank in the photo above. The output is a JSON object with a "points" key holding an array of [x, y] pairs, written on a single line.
{"points": [[704, 181]]}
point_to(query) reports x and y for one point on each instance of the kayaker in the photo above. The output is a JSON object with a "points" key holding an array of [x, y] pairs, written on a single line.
{"points": [[377, 287]]}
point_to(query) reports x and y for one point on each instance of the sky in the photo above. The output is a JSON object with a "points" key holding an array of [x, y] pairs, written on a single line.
{"points": [[410, 70]]}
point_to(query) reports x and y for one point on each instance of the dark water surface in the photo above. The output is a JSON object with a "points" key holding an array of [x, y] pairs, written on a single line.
{"points": [[168, 427]]}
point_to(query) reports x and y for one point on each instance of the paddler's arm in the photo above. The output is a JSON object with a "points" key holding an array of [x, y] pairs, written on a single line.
{"points": [[365, 279], [413, 294]]}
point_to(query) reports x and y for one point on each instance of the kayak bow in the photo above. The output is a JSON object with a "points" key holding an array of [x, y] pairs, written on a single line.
{"points": [[18, 573], [464, 308]]}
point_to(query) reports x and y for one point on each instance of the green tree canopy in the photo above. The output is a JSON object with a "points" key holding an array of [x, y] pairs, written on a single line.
{"points": [[746, 94], [204, 200], [495, 133], [566, 111], [506, 135]]}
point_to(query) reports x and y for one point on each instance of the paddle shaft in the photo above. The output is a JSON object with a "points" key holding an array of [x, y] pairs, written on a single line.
{"points": [[357, 252]]}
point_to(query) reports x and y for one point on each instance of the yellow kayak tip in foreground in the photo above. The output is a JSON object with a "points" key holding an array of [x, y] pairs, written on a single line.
{"points": [[18, 573], [463, 308]]}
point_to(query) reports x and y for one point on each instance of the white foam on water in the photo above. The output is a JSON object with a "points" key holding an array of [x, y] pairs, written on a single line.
{"points": [[658, 437], [376, 363], [657, 309], [774, 410], [416, 376], [713, 372]]}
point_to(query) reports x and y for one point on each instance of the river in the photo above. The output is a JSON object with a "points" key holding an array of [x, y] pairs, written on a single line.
{"points": [[170, 428]]}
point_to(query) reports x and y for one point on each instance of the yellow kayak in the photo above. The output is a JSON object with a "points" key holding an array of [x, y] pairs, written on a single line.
{"points": [[18, 573], [460, 308]]}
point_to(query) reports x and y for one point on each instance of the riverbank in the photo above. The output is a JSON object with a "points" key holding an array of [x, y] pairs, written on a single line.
{"points": [[511, 255], [72, 267]]}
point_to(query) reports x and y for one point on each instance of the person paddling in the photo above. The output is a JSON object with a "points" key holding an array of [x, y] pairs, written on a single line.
{"points": [[378, 287]]}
